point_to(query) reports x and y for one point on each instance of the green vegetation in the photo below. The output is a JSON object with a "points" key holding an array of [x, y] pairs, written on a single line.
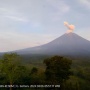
{"points": [[55, 70]]}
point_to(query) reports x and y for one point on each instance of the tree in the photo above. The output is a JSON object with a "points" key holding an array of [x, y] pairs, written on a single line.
{"points": [[34, 70], [11, 67], [57, 69]]}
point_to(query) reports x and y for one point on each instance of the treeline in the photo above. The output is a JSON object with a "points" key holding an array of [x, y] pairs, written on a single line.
{"points": [[58, 71]]}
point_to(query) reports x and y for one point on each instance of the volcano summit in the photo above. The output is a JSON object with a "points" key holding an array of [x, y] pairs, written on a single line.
{"points": [[69, 44]]}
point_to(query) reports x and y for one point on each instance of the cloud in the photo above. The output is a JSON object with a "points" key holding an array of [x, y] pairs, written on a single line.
{"points": [[59, 5], [16, 18], [59, 9], [13, 15], [69, 26], [27, 23], [37, 13], [85, 3], [14, 41]]}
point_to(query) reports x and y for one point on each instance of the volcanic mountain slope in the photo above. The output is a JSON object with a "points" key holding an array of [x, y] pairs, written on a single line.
{"points": [[69, 44]]}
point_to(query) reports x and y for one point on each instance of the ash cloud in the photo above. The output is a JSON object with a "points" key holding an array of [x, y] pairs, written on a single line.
{"points": [[69, 26]]}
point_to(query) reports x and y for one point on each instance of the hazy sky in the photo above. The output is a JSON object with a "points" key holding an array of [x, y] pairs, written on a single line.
{"points": [[28, 23]]}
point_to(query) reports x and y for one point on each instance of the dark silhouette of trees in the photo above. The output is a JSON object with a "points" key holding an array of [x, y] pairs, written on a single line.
{"points": [[57, 69], [34, 70]]}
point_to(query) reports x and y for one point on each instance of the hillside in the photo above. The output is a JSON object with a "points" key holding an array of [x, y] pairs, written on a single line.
{"points": [[67, 45]]}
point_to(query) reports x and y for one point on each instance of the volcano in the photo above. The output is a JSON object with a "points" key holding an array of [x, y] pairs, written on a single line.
{"points": [[69, 44]]}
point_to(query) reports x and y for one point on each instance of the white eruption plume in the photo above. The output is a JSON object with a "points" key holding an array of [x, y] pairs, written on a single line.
{"points": [[70, 27]]}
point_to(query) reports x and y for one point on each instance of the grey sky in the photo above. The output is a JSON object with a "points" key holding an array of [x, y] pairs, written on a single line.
{"points": [[28, 23]]}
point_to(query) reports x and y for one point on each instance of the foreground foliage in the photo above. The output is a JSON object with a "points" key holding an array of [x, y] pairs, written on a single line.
{"points": [[55, 70]]}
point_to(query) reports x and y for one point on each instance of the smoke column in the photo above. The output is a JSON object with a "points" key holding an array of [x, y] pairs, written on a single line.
{"points": [[70, 27]]}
